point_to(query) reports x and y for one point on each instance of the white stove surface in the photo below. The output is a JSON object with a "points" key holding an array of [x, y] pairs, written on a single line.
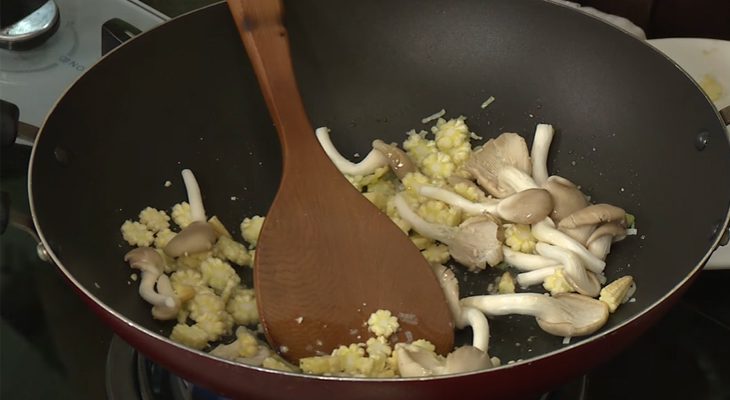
{"points": [[34, 79]]}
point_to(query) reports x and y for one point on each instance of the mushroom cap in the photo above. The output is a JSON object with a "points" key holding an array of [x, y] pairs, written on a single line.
{"points": [[580, 234], [592, 215], [145, 259], [467, 359], [565, 314], [580, 316], [478, 242], [526, 207], [398, 160], [197, 237], [614, 229], [567, 198], [414, 361], [485, 163]]}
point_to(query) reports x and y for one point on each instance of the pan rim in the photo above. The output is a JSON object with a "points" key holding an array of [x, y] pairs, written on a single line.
{"points": [[140, 329]]}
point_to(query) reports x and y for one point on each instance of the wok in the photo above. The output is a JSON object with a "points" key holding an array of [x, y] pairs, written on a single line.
{"points": [[632, 129]]}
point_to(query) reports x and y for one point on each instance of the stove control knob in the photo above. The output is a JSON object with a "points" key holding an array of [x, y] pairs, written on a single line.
{"points": [[31, 28]]}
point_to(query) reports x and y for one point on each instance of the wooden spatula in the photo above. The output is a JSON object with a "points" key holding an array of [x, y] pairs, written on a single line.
{"points": [[326, 257]]}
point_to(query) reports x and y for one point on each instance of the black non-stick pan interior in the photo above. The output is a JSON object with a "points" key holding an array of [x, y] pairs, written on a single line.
{"points": [[184, 96]]}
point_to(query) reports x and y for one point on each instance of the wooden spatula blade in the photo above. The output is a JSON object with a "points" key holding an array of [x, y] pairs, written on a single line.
{"points": [[323, 267], [326, 257]]}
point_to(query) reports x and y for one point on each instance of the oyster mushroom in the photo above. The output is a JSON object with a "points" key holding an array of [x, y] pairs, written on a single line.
{"points": [[540, 148], [374, 160], [599, 243], [580, 224], [582, 281], [515, 179], [535, 277], [565, 314], [475, 243], [150, 262], [414, 361], [545, 231], [508, 149], [165, 311], [567, 198], [399, 161], [526, 262], [195, 238], [463, 316], [199, 235], [593, 214], [525, 207]]}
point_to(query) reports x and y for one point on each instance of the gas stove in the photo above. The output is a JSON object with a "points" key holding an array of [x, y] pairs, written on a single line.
{"points": [[52, 346]]}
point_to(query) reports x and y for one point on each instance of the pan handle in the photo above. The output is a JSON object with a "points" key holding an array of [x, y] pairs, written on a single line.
{"points": [[725, 238], [725, 114], [115, 32], [12, 218], [11, 129]]}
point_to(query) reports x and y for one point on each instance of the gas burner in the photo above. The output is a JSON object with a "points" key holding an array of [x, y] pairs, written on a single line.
{"points": [[35, 78], [32, 29], [131, 376]]}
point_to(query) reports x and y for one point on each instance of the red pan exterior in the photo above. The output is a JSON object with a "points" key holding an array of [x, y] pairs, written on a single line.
{"points": [[518, 382]]}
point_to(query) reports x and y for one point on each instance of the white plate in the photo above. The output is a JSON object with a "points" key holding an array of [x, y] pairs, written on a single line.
{"points": [[705, 60]]}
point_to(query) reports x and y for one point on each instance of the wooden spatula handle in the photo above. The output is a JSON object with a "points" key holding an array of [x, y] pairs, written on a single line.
{"points": [[267, 43]]}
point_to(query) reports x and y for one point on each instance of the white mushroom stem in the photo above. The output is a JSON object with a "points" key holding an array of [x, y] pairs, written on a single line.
{"points": [[442, 233], [515, 179], [195, 199], [526, 262], [540, 148], [577, 275], [456, 200], [565, 314], [599, 243], [374, 160], [537, 305], [147, 290], [524, 207], [538, 276], [474, 243], [151, 264], [601, 247], [463, 316], [479, 326], [545, 231], [171, 307]]}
